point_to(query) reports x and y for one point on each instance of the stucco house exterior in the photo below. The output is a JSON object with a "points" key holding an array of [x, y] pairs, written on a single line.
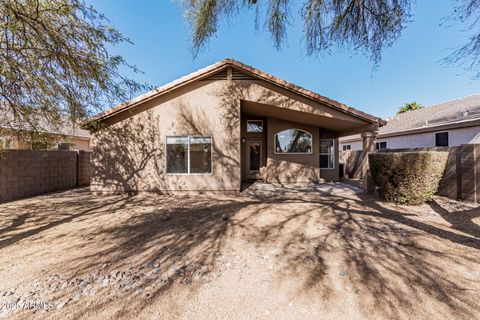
{"points": [[448, 124], [217, 127]]}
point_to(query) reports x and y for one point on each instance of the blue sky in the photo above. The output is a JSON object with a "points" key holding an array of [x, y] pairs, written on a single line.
{"points": [[410, 70]]}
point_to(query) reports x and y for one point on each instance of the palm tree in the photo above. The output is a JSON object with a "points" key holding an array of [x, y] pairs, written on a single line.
{"points": [[410, 106]]}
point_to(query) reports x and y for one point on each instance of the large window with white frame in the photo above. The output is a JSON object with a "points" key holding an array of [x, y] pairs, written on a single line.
{"points": [[293, 141], [189, 155], [327, 154]]}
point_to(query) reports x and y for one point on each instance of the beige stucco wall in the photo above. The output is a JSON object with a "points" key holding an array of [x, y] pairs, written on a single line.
{"points": [[80, 144], [129, 155], [291, 168]]}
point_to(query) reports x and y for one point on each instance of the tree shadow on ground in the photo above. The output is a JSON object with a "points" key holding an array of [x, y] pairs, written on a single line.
{"points": [[389, 259], [43, 216], [461, 220]]}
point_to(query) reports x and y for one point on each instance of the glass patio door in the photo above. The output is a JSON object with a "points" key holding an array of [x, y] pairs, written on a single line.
{"points": [[254, 159]]}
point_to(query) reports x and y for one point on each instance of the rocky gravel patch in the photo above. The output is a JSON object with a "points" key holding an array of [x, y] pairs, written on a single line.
{"points": [[57, 291]]}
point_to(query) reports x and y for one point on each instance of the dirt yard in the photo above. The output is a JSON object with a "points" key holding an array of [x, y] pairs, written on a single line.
{"points": [[318, 252]]}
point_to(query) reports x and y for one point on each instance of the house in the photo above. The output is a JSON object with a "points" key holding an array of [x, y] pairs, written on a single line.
{"points": [[448, 124], [67, 137], [217, 127]]}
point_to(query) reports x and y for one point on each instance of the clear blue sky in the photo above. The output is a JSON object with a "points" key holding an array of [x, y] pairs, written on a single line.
{"points": [[410, 70]]}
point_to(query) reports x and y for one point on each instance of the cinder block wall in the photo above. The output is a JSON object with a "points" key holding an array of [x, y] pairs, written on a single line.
{"points": [[25, 173], [84, 174]]}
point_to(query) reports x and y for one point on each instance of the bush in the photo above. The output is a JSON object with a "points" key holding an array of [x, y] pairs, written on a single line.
{"points": [[407, 177]]}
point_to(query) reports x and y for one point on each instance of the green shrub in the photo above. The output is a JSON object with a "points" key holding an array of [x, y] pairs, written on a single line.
{"points": [[407, 177]]}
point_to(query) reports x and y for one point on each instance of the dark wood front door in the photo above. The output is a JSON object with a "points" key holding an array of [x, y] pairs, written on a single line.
{"points": [[253, 159]]}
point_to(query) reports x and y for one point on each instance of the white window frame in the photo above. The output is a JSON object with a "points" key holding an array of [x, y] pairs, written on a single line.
{"points": [[253, 120], [435, 139], [327, 154], [287, 153], [188, 173]]}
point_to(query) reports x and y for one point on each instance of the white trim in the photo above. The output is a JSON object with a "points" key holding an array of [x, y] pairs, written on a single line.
{"points": [[327, 154], [287, 153], [188, 173], [251, 120]]}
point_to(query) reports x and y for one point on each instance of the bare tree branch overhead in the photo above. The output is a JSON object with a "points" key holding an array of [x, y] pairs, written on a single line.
{"points": [[55, 65], [365, 26], [467, 56], [362, 26]]}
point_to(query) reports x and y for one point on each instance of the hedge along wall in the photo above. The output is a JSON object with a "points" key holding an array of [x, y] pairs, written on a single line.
{"points": [[24, 173], [407, 177], [451, 182]]}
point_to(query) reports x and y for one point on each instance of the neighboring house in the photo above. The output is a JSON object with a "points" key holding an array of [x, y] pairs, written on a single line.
{"points": [[64, 138], [448, 124], [220, 126]]}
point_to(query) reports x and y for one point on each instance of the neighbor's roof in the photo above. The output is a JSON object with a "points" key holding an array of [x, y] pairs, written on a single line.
{"points": [[67, 128], [224, 64], [459, 112]]}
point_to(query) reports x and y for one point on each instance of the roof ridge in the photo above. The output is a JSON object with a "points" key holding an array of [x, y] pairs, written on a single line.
{"points": [[397, 116], [262, 75], [452, 100]]}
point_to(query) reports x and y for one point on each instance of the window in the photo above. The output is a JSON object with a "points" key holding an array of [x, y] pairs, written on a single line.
{"points": [[347, 147], [381, 145], [64, 146], [326, 154], [441, 139], [39, 146], [189, 154], [293, 141], [254, 125], [4, 143], [200, 155]]}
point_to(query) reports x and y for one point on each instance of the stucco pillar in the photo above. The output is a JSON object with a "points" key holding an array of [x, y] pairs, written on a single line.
{"points": [[368, 139]]}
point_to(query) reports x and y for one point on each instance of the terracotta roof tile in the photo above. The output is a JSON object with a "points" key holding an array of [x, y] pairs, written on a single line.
{"points": [[205, 72]]}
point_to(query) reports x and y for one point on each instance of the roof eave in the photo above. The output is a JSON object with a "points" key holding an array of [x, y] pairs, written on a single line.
{"points": [[206, 72]]}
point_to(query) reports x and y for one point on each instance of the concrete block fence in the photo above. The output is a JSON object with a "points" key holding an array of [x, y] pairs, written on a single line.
{"points": [[25, 173]]}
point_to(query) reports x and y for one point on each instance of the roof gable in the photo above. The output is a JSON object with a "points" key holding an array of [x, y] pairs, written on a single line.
{"points": [[234, 70]]}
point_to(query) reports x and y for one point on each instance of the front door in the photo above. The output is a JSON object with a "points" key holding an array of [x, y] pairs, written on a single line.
{"points": [[254, 159]]}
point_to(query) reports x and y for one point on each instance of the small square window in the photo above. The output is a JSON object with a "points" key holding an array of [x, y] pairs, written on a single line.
{"points": [[254, 125], [4, 143], [441, 139], [64, 146], [347, 147], [381, 145]]}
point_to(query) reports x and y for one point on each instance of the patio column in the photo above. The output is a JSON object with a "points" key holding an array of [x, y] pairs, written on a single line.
{"points": [[368, 146]]}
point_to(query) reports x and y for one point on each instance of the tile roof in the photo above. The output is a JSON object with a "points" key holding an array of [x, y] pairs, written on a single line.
{"points": [[67, 128], [223, 64], [458, 111]]}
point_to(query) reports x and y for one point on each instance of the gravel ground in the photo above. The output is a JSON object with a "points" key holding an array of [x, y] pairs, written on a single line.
{"points": [[274, 252]]}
